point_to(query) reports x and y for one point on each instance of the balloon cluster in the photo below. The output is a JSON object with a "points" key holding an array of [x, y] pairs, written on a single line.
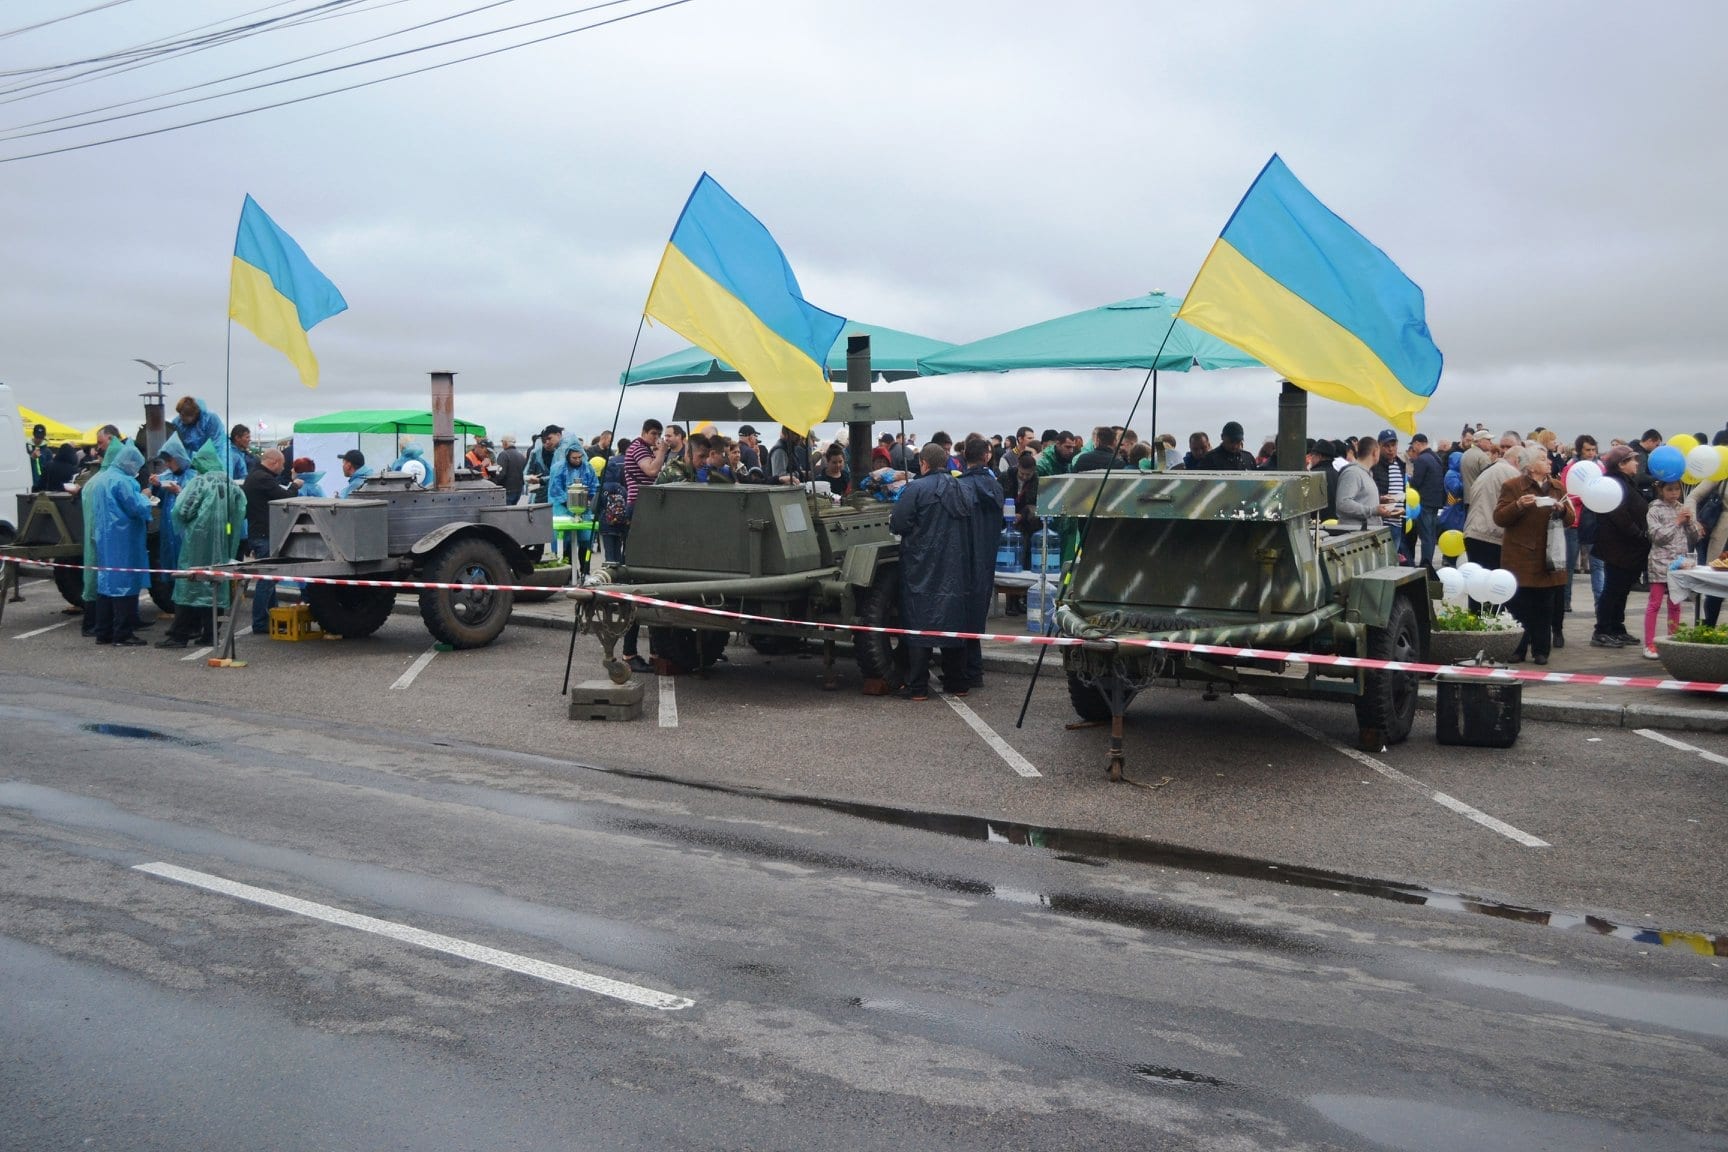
{"points": [[1600, 493], [1474, 582], [1684, 459]]}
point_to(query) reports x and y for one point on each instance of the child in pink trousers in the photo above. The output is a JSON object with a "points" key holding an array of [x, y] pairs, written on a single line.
{"points": [[1673, 534]]}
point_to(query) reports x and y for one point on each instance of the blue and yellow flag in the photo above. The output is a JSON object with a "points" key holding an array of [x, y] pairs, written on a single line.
{"points": [[276, 292], [725, 286], [1293, 285]]}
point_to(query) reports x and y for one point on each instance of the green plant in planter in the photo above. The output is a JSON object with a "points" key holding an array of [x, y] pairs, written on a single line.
{"points": [[552, 562], [1456, 618], [1701, 634]]}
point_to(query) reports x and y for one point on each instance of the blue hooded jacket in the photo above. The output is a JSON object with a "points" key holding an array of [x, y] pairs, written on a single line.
{"points": [[311, 483], [566, 474], [168, 538], [416, 453], [361, 475], [122, 528], [208, 427]]}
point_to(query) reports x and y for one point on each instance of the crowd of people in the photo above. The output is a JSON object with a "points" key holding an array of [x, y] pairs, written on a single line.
{"points": [[1507, 494]]}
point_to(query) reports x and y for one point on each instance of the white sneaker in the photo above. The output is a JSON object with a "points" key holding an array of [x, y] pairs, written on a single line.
{"points": [[1652, 654]]}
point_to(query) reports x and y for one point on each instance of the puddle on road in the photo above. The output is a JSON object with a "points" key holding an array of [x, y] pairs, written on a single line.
{"points": [[1676, 1010], [1095, 848], [128, 732], [1424, 1126]]}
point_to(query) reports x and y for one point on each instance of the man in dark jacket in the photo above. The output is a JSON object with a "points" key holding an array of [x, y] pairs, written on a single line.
{"points": [[1102, 454], [933, 520], [537, 472], [1229, 456], [1428, 477], [512, 467], [979, 479], [263, 486]]}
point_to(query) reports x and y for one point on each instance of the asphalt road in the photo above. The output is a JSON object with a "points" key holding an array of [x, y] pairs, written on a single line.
{"points": [[953, 955]]}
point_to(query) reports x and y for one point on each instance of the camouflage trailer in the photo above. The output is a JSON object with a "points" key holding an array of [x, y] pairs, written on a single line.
{"points": [[1238, 560]]}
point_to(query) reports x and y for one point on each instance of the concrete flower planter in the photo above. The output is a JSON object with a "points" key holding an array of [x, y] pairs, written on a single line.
{"points": [[1703, 662], [551, 579], [1456, 647]]}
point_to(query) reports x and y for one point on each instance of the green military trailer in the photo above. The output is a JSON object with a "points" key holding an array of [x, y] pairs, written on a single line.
{"points": [[1238, 560]]}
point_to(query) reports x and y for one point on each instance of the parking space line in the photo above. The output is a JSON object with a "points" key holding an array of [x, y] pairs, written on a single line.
{"points": [[450, 945], [415, 669], [197, 654], [1398, 777], [668, 698], [39, 631], [998, 745], [1681, 745]]}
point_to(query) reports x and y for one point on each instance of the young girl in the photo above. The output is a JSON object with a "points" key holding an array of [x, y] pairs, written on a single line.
{"points": [[1673, 534]]}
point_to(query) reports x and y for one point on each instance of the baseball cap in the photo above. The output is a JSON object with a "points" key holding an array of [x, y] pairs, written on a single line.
{"points": [[1419, 438], [748, 430], [39, 430], [885, 438], [1232, 431], [1388, 436]]}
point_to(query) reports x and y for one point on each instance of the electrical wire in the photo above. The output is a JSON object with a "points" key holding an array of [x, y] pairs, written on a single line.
{"points": [[349, 87], [58, 19], [15, 132]]}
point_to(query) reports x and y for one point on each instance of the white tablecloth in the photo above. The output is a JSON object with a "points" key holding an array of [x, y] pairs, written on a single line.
{"points": [[1683, 582]]}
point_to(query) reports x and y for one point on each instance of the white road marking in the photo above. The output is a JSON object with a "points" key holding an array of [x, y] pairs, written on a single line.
{"points": [[668, 697], [510, 961], [1396, 776], [197, 654], [1651, 734], [39, 631], [415, 669], [1000, 746]]}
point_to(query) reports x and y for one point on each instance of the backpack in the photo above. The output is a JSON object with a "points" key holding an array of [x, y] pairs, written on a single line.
{"points": [[614, 505]]}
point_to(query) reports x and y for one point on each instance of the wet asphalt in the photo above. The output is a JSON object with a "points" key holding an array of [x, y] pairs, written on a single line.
{"points": [[889, 938]]}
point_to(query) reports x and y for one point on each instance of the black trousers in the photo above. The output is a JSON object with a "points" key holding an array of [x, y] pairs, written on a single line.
{"points": [[1617, 584], [918, 670], [191, 623], [1538, 609], [116, 618]]}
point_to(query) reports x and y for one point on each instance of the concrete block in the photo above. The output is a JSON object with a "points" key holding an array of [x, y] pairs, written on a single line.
{"points": [[606, 693], [581, 710], [1675, 718]]}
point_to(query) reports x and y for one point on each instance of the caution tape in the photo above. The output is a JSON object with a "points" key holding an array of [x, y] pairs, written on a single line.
{"points": [[1504, 675]]}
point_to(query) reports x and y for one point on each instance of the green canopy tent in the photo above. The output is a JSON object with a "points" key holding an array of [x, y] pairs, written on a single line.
{"points": [[380, 434], [894, 355], [1125, 334]]}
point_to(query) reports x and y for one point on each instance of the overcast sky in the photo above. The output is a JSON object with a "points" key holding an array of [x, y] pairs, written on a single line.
{"points": [[1550, 173]]}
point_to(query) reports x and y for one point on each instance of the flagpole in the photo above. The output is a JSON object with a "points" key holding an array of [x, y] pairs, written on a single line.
{"points": [[624, 381]]}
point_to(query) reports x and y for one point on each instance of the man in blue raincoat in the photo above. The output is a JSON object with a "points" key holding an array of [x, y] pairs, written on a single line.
{"points": [[413, 462], [166, 485], [571, 474], [981, 484], [933, 519], [354, 471], [197, 424], [88, 495], [121, 528], [210, 516]]}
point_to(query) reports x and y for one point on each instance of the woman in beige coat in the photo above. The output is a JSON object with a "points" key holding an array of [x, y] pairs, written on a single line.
{"points": [[1717, 542]]}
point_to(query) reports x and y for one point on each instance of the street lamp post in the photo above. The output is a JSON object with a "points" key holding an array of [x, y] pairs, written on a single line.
{"points": [[155, 409]]}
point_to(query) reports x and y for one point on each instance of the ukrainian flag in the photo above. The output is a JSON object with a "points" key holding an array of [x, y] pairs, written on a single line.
{"points": [[725, 286], [275, 291], [1293, 285]]}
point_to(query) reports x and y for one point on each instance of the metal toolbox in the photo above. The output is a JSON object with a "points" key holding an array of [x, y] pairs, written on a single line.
{"points": [[312, 528]]}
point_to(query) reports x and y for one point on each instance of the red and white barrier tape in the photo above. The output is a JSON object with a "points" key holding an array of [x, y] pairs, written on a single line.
{"points": [[1528, 676]]}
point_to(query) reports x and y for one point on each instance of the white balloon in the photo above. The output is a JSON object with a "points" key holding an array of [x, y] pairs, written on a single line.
{"points": [[1502, 586], [1582, 474], [1470, 568], [1479, 584], [1451, 580], [1602, 496], [1703, 461]]}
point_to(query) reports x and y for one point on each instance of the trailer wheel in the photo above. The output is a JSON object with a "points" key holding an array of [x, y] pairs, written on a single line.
{"points": [[774, 645], [161, 587], [466, 618], [879, 655], [1387, 705], [348, 612], [70, 582], [1090, 703]]}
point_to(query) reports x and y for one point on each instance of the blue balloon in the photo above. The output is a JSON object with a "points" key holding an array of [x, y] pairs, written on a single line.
{"points": [[1455, 461], [1667, 463], [1455, 484]]}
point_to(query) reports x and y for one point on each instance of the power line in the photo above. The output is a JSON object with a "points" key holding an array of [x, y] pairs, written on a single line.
{"points": [[349, 87], [14, 132], [58, 19]]}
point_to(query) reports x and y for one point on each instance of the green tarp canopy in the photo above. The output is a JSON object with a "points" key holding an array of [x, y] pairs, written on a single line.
{"points": [[893, 355], [385, 421], [1125, 334]]}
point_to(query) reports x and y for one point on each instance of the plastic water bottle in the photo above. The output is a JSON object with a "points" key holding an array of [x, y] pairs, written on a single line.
{"points": [[1040, 603], [1008, 510], [1008, 551]]}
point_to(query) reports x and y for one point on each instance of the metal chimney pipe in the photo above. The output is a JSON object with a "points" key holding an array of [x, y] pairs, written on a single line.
{"points": [[444, 431]]}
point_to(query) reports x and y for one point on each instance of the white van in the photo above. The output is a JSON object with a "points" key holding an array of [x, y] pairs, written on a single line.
{"points": [[14, 464]]}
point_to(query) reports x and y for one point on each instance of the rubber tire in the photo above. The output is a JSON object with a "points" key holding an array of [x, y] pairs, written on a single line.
{"points": [[774, 645], [687, 649], [1388, 700], [351, 613], [70, 582], [881, 657], [1088, 701], [487, 613], [161, 588]]}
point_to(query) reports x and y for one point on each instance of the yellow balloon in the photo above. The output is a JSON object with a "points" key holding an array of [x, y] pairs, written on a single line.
{"points": [[1412, 499], [1683, 442], [1329, 523], [1452, 542], [1721, 472], [598, 463], [1688, 480]]}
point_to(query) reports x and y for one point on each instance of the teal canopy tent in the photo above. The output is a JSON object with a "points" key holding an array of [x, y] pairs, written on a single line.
{"points": [[1125, 334], [893, 354]]}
